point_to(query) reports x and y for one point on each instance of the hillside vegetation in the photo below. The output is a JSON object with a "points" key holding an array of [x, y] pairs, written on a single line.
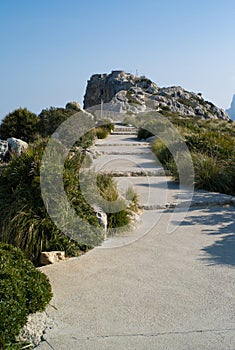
{"points": [[26, 229], [211, 143]]}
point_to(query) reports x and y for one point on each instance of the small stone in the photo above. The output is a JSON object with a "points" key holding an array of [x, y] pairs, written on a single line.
{"points": [[52, 257], [101, 216]]}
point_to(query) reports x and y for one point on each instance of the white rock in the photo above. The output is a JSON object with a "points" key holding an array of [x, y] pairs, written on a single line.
{"points": [[101, 216], [52, 257], [17, 146], [3, 149]]}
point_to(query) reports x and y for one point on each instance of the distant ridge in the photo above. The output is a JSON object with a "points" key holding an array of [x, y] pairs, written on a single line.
{"points": [[231, 110]]}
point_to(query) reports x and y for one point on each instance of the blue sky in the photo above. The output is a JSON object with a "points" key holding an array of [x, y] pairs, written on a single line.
{"points": [[50, 48]]}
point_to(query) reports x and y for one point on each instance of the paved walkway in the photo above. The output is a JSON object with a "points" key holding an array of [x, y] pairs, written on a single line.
{"points": [[153, 289]]}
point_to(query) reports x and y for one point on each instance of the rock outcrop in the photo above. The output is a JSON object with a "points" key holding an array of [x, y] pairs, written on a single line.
{"points": [[105, 87], [122, 92], [3, 149], [231, 110], [17, 146], [12, 146]]}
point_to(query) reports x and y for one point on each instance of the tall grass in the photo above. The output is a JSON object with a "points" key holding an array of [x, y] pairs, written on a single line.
{"points": [[24, 221], [212, 146]]}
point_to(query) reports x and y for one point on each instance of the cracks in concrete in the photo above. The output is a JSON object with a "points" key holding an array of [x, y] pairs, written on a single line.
{"points": [[51, 347], [151, 335]]}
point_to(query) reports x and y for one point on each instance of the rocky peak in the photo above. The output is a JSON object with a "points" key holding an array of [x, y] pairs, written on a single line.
{"points": [[122, 92], [104, 87], [231, 110]]}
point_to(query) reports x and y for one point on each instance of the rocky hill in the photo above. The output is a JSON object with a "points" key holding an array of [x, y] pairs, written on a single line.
{"points": [[123, 92], [231, 110]]}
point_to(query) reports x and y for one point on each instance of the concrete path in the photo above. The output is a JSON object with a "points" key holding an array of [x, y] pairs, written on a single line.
{"points": [[157, 290]]}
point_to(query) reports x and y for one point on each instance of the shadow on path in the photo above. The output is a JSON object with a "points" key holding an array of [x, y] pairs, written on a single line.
{"points": [[220, 221]]}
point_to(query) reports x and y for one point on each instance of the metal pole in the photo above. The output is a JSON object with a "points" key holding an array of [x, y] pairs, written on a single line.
{"points": [[101, 109]]}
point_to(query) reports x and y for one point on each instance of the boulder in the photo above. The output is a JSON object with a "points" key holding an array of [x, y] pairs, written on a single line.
{"points": [[74, 106], [52, 257], [3, 149], [17, 146]]}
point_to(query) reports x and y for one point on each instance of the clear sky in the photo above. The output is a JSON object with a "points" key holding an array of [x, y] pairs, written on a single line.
{"points": [[50, 48]]}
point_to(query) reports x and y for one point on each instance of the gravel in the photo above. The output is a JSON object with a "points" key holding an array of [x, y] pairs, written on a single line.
{"points": [[36, 327]]}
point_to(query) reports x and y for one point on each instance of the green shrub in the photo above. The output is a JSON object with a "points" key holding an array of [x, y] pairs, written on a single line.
{"points": [[118, 219], [187, 102], [107, 124], [131, 98], [143, 134], [24, 221], [212, 145], [51, 118], [86, 140], [21, 124], [129, 119], [108, 190], [101, 132], [104, 128], [23, 290], [132, 197], [161, 152], [154, 127], [212, 174]]}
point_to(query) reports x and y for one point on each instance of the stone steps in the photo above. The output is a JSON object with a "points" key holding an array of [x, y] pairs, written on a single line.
{"points": [[125, 129], [117, 153], [223, 202], [122, 144], [140, 173], [124, 133]]}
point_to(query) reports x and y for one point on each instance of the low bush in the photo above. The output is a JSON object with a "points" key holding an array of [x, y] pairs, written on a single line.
{"points": [[212, 174], [101, 132], [21, 124], [212, 146], [23, 290], [108, 190], [104, 128], [143, 134], [51, 118], [161, 152], [211, 143], [24, 221]]}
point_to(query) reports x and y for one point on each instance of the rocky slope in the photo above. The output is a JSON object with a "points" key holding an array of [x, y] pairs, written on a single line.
{"points": [[123, 92], [231, 110]]}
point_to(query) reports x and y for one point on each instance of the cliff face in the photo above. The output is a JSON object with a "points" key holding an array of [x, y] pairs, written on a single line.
{"points": [[123, 92], [231, 110], [104, 87]]}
